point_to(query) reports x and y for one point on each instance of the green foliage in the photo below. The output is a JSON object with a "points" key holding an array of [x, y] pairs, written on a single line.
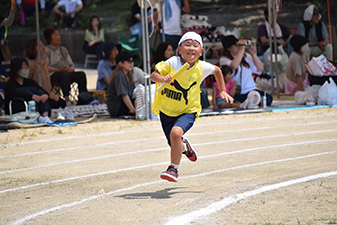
{"points": [[82, 21], [44, 20], [125, 21]]}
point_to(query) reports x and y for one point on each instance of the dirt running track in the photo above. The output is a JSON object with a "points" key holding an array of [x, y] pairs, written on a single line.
{"points": [[267, 168]]}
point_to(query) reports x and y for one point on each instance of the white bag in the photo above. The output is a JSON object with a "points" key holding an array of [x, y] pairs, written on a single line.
{"points": [[314, 89], [139, 93], [320, 66], [327, 94], [282, 59], [302, 97]]}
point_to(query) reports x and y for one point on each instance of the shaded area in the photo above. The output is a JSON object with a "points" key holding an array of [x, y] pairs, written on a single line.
{"points": [[160, 194]]}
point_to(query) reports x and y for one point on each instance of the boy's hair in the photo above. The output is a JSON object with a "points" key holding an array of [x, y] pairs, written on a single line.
{"points": [[226, 70]]}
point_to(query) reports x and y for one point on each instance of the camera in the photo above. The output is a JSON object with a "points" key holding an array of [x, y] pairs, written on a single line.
{"points": [[249, 42]]}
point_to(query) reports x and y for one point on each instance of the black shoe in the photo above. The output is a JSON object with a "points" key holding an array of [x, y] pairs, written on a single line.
{"points": [[170, 174], [190, 153]]}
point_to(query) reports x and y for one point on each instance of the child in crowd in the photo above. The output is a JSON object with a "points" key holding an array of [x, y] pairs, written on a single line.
{"points": [[296, 75], [178, 105], [219, 102], [119, 97]]}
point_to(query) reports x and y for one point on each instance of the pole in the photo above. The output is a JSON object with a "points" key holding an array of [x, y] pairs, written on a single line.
{"points": [[38, 39], [162, 21], [329, 18], [146, 56], [271, 47], [275, 48]]}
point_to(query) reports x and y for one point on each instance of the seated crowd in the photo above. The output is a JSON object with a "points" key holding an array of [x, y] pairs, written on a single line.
{"points": [[118, 76]]}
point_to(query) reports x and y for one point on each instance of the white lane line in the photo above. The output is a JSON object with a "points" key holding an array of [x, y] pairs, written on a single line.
{"points": [[160, 149], [138, 131], [161, 137], [201, 157], [32, 216], [219, 205]]}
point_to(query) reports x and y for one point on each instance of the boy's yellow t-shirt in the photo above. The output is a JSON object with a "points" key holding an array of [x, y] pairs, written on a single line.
{"points": [[183, 95]]}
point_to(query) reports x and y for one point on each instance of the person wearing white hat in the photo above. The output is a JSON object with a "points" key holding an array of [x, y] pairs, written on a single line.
{"points": [[178, 104], [315, 31]]}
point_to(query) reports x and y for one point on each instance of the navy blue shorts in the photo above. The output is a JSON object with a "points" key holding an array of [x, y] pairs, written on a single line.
{"points": [[184, 121]]}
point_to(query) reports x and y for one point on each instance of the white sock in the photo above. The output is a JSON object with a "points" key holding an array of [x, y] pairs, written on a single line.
{"points": [[47, 120], [175, 166], [41, 119]]}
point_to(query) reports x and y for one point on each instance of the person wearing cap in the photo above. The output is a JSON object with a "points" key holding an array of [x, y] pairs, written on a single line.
{"points": [[119, 98], [178, 104], [313, 29], [107, 65], [243, 65], [296, 75]]}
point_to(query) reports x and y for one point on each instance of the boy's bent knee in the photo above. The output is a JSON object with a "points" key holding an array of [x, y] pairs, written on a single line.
{"points": [[176, 132]]}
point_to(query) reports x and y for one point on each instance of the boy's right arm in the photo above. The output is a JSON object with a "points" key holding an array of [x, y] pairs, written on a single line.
{"points": [[158, 78]]}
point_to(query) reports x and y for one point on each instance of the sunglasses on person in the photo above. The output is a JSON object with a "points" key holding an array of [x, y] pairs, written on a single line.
{"points": [[130, 61]]}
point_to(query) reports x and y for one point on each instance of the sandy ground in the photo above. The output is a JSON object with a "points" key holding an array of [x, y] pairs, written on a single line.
{"points": [[266, 168]]}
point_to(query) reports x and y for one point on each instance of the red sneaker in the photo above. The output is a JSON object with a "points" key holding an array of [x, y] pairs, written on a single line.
{"points": [[190, 153], [170, 174]]}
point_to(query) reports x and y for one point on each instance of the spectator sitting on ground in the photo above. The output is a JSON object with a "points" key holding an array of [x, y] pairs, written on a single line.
{"points": [[296, 75], [119, 98], [32, 53], [94, 38], [164, 51], [243, 65], [72, 7], [19, 85], [263, 33], [219, 102], [61, 66], [315, 31], [107, 65]]}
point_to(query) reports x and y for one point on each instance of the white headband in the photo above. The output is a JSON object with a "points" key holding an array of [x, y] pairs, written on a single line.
{"points": [[191, 36]]}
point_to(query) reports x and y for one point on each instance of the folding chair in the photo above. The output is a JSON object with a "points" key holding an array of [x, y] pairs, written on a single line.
{"points": [[73, 94], [20, 100], [90, 59], [132, 44]]}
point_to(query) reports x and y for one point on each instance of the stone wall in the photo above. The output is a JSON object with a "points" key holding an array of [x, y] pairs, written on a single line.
{"points": [[72, 40]]}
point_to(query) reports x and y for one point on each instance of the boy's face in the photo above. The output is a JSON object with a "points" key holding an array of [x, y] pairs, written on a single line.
{"points": [[190, 50]]}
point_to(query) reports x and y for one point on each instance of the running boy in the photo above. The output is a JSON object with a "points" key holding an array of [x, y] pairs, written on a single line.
{"points": [[178, 105]]}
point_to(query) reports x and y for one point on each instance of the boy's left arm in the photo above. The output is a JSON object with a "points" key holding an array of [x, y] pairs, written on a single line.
{"points": [[219, 79]]}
